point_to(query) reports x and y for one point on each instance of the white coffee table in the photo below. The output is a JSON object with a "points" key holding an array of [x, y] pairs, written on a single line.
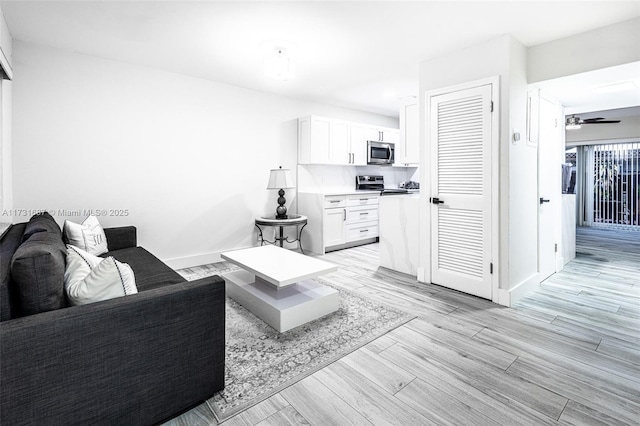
{"points": [[276, 286]]}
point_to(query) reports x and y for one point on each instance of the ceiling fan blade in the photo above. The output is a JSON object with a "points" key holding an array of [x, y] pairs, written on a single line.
{"points": [[601, 122], [587, 120]]}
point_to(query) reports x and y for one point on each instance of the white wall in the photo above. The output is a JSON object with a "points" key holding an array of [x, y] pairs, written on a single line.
{"points": [[506, 58], [188, 158], [592, 50], [6, 179], [523, 183]]}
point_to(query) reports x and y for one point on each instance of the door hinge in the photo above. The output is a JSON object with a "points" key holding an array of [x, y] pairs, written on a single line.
{"points": [[555, 247], [491, 106], [491, 268]]}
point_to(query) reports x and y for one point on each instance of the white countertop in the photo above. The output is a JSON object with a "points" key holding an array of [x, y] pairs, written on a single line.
{"points": [[412, 192]]}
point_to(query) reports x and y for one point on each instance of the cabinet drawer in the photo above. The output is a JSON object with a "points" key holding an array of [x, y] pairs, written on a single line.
{"points": [[362, 214], [357, 232], [335, 201], [362, 200]]}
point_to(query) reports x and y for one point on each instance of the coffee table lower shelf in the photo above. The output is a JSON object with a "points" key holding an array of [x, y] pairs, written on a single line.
{"points": [[284, 308]]}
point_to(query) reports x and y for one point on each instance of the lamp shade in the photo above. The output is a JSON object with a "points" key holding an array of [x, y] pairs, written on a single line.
{"points": [[280, 178]]}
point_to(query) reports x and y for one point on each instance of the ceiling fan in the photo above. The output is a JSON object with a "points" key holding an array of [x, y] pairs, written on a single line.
{"points": [[574, 122]]}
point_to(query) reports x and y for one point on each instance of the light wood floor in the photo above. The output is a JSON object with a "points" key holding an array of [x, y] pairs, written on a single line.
{"points": [[568, 354]]}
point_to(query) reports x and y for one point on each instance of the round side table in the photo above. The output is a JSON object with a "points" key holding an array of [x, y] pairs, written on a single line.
{"points": [[293, 220]]}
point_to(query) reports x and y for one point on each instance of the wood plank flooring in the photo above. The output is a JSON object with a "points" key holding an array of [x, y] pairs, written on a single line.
{"points": [[568, 354]]}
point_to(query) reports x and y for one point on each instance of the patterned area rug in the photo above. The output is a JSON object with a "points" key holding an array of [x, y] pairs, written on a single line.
{"points": [[261, 362]]}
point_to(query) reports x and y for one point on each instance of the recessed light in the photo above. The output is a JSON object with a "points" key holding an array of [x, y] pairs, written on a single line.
{"points": [[620, 86]]}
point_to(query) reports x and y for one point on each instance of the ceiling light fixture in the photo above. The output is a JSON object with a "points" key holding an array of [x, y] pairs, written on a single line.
{"points": [[278, 65], [573, 123], [620, 86]]}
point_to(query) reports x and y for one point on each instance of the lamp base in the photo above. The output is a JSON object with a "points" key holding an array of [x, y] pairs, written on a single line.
{"points": [[281, 210]]}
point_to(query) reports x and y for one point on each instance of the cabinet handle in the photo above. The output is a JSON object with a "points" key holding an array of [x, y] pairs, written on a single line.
{"points": [[344, 214], [363, 213], [364, 230], [364, 199], [334, 201]]}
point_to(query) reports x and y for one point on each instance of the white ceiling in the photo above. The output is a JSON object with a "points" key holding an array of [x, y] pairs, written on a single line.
{"points": [[362, 55]]}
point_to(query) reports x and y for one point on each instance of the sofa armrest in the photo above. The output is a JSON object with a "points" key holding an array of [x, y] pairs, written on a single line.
{"points": [[121, 237], [136, 359]]}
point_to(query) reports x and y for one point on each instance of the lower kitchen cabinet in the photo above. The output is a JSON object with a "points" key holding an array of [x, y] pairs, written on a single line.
{"points": [[339, 220], [333, 227]]}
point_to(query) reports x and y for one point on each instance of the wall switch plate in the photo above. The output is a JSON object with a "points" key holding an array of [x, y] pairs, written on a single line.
{"points": [[516, 136]]}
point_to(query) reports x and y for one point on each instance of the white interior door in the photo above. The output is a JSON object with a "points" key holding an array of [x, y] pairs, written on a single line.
{"points": [[460, 138], [549, 185]]}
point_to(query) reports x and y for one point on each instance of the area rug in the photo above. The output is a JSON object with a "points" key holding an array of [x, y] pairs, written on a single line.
{"points": [[260, 362]]}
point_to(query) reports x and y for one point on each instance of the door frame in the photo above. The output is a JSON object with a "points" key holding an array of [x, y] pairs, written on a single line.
{"points": [[424, 272]]}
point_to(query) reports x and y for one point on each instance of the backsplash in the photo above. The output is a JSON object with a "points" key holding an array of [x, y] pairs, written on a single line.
{"points": [[322, 178]]}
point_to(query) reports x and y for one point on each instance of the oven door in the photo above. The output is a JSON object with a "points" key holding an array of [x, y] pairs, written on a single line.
{"points": [[380, 152]]}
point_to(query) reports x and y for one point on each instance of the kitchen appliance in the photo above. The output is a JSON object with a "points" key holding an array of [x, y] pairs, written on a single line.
{"points": [[369, 183], [376, 183], [380, 153], [409, 184]]}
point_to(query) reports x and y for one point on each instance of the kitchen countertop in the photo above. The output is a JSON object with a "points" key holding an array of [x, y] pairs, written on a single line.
{"points": [[357, 192]]}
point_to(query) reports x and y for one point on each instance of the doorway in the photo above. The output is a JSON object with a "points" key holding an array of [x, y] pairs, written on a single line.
{"points": [[609, 185]]}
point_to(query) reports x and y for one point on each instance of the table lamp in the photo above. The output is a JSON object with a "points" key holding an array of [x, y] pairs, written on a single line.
{"points": [[280, 179]]}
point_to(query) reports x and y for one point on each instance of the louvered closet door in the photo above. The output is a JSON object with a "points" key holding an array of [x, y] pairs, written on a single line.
{"points": [[460, 125]]}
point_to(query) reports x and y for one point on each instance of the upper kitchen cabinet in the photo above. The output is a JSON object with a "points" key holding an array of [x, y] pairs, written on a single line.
{"points": [[314, 140], [408, 148], [360, 134], [387, 135], [324, 140], [339, 142]]}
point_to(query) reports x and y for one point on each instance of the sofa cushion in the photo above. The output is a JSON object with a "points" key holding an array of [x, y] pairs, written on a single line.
{"points": [[42, 222], [37, 274], [90, 278], [11, 240], [150, 271], [88, 235]]}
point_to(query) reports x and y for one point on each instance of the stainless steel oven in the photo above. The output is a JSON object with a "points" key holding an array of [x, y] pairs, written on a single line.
{"points": [[381, 153]]}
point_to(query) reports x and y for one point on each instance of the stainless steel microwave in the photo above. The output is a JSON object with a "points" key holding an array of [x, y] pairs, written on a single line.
{"points": [[381, 153]]}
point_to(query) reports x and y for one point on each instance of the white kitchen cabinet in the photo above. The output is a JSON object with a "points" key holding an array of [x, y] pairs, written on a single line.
{"points": [[360, 134], [324, 140], [338, 221], [339, 143], [333, 226], [389, 135], [314, 139], [408, 148]]}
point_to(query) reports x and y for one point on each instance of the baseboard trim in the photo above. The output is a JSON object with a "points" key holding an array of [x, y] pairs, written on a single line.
{"points": [[521, 290]]}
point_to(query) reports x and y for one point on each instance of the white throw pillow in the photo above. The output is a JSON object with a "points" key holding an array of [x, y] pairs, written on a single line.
{"points": [[89, 278], [88, 235]]}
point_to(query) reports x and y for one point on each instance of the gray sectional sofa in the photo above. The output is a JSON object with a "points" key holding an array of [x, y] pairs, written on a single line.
{"points": [[133, 360]]}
